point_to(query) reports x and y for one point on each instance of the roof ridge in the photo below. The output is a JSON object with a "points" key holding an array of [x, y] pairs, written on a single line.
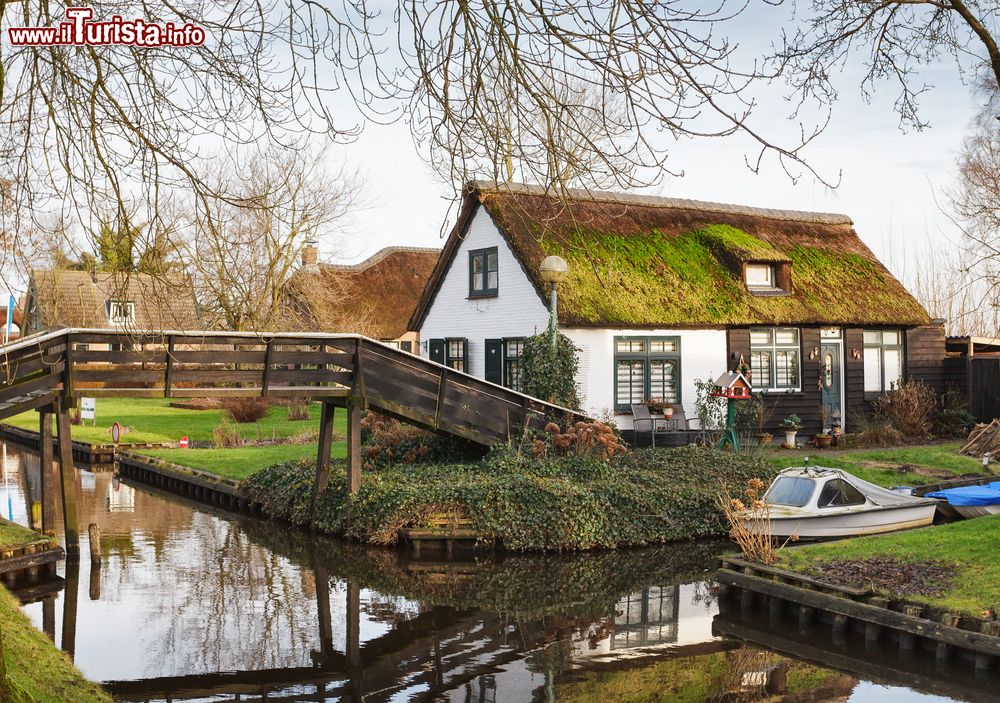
{"points": [[830, 218], [379, 256]]}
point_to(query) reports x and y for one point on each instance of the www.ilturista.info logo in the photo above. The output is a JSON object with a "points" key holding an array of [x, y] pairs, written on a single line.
{"points": [[79, 30]]}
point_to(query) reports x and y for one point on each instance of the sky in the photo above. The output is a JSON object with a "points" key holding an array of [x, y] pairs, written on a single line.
{"points": [[893, 184]]}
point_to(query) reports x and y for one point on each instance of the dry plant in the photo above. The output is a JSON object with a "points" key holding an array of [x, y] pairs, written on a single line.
{"points": [[227, 435], [298, 410], [750, 522], [249, 409]]}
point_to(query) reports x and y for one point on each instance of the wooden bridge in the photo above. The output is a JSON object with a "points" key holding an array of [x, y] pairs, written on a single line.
{"points": [[49, 371]]}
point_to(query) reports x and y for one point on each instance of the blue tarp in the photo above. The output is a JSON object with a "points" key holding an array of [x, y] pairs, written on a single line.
{"points": [[971, 495]]}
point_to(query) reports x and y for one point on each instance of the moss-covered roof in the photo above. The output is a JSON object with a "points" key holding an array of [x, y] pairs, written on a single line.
{"points": [[638, 261]]}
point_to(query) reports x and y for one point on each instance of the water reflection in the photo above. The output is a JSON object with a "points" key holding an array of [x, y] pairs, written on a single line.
{"points": [[195, 604]]}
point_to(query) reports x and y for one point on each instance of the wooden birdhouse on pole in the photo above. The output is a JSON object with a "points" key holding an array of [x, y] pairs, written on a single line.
{"points": [[732, 386]]}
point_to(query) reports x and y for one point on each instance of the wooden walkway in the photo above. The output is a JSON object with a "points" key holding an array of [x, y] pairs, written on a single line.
{"points": [[49, 371]]}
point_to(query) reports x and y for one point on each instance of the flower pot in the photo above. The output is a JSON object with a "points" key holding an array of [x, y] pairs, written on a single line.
{"points": [[823, 441], [668, 413], [790, 437], [764, 439]]}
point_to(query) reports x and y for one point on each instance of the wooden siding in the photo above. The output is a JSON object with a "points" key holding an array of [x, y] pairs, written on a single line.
{"points": [[807, 402], [925, 355]]}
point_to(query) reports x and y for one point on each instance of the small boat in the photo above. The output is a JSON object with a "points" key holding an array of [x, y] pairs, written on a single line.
{"points": [[972, 501], [813, 502]]}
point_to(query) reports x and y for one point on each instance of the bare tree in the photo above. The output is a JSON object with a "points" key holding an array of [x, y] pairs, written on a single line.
{"points": [[493, 87], [897, 38], [244, 250]]}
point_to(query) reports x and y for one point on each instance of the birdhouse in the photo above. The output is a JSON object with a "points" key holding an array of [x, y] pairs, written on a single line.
{"points": [[734, 385]]}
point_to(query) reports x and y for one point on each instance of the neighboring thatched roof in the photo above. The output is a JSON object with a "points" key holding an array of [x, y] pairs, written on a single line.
{"points": [[375, 297], [80, 298], [639, 261]]}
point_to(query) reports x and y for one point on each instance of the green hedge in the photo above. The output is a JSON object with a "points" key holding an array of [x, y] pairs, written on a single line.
{"points": [[555, 503]]}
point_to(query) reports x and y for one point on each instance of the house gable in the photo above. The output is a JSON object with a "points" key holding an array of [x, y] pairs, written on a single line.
{"points": [[515, 311]]}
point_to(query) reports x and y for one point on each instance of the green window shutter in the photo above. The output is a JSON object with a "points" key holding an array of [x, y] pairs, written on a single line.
{"points": [[465, 356], [494, 361], [437, 350]]}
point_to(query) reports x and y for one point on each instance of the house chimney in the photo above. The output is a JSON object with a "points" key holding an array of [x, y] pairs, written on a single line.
{"points": [[310, 254]]}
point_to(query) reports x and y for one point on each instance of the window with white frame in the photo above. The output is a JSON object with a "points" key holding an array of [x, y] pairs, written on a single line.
{"points": [[774, 358], [760, 276], [883, 356], [646, 367], [121, 312]]}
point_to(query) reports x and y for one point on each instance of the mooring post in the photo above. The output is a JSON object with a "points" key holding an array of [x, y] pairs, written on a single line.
{"points": [[69, 607], [94, 533], [354, 405], [67, 475], [45, 466], [323, 448]]}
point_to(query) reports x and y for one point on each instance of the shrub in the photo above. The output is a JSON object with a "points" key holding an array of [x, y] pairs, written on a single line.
{"points": [[246, 409], [387, 441], [579, 439], [550, 375], [874, 431], [226, 435], [952, 418], [298, 411], [550, 502], [908, 408]]}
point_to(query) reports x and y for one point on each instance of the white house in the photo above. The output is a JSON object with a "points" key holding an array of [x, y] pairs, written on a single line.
{"points": [[663, 292]]}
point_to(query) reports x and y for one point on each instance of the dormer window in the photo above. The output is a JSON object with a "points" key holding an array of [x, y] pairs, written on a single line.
{"points": [[483, 273], [121, 312], [760, 276], [768, 278]]}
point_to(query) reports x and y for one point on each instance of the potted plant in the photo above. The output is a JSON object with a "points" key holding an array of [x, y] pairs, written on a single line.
{"points": [[823, 440], [659, 405], [764, 439], [791, 425]]}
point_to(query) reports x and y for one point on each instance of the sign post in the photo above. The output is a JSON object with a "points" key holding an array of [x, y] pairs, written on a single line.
{"points": [[88, 410]]}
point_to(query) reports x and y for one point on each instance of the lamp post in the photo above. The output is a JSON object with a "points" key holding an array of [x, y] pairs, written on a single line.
{"points": [[553, 271]]}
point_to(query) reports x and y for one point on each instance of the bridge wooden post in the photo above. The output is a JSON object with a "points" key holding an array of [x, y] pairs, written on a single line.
{"points": [[323, 448], [67, 475], [45, 467], [354, 406]]}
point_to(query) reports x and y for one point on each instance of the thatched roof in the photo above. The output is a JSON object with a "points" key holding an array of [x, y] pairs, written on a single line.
{"points": [[639, 261], [375, 297], [80, 298]]}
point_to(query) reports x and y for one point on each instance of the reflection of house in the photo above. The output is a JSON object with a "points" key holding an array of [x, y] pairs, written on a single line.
{"points": [[664, 292], [374, 298], [647, 618], [130, 302]]}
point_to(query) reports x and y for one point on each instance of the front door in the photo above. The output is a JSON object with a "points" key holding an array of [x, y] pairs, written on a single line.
{"points": [[830, 384]]}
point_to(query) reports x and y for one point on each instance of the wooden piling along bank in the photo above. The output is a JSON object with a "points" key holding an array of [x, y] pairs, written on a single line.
{"points": [[907, 625], [49, 371]]}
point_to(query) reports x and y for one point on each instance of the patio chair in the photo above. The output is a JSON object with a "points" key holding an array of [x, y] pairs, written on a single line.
{"points": [[641, 416]]}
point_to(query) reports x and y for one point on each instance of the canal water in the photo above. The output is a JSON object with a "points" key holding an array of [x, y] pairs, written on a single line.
{"points": [[196, 604]]}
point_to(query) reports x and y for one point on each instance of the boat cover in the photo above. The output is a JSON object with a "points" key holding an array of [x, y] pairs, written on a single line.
{"points": [[970, 495], [876, 494]]}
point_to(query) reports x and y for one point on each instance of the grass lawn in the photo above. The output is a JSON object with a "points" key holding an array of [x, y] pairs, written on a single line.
{"points": [[36, 670], [243, 461], [896, 466], [12, 535], [969, 545], [153, 420]]}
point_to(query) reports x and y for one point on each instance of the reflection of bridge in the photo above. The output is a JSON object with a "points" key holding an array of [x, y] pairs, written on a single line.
{"points": [[46, 372]]}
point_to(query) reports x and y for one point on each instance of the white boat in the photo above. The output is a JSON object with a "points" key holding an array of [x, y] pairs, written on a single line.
{"points": [[972, 501], [814, 502]]}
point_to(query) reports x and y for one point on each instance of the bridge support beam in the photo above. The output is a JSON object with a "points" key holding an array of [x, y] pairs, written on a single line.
{"points": [[46, 469], [323, 448], [354, 406], [68, 482]]}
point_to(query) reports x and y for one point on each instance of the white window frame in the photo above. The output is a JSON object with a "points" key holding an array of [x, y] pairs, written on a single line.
{"points": [[767, 282], [879, 346], [129, 306], [772, 348]]}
